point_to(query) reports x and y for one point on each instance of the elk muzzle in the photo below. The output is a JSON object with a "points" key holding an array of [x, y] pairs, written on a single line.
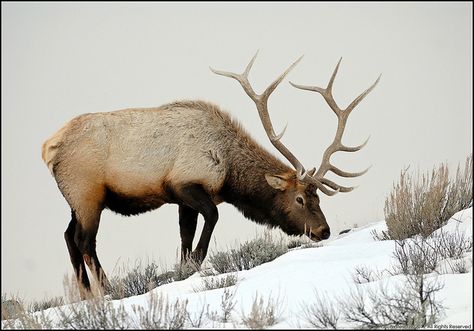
{"points": [[321, 233]]}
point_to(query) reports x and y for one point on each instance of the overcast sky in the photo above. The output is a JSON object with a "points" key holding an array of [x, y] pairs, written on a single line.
{"points": [[62, 60]]}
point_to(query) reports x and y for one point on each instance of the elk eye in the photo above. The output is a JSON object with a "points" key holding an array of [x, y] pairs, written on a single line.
{"points": [[300, 200]]}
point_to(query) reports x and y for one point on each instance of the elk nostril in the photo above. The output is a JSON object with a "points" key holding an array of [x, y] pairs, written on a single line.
{"points": [[325, 233]]}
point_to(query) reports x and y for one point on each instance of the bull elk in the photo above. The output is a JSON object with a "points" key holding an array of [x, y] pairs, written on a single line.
{"points": [[189, 153]]}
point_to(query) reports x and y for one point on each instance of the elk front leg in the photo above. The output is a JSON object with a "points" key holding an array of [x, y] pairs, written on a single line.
{"points": [[187, 230], [195, 197]]}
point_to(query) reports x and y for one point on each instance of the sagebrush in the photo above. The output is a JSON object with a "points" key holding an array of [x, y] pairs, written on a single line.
{"points": [[262, 314], [412, 305], [141, 279], [421, 204], [249, 254]]}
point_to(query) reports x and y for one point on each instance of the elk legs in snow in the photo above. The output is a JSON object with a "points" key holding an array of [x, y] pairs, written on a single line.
{"points": [[82, 247], [193, 196]]}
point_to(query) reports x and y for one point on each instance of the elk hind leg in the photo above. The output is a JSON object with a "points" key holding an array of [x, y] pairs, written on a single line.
{"points": [[92, 261], [87, 205], [85, 239], [76, 258]]}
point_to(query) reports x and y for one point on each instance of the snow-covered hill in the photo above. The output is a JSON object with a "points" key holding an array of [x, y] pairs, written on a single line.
{"points": [[292, 280]]}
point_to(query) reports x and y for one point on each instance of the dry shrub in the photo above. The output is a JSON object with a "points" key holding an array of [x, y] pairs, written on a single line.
{"points": [[141, 279], [412, 305], [161, 314], [451, 245], [409, 306], [420, 255], [262, 315], [422, 204], [249, 254], [182, 270], [363, 274], [16, 316], [302, 242], [322, 313], [46, 303], [93, 314], [12, 306], [212, 282], [227, 304], [227, 307]]}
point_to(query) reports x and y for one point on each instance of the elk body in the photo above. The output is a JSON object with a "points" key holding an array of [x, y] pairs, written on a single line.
{"points": [[192, 154]]}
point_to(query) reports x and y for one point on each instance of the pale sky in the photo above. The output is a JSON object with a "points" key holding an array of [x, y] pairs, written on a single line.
{"points": [[62, 60]]}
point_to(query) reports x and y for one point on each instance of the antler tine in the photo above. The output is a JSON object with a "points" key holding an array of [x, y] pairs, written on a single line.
{"points": [[337, 187], [361, 97], [262, 107], [242, 78], [345, 148], [342, 173], [333, 76], [336, 145], [249, 66], [325, 92], [277, 81]]}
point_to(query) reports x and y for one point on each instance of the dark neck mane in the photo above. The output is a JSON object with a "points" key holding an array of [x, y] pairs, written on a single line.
{"points": [[246, 187]]}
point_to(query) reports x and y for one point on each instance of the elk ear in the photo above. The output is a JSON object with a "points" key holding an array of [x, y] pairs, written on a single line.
{"points": [[277, 182]]}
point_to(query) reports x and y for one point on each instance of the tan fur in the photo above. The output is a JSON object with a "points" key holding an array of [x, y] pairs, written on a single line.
{"points": [[51, 145], [134, 152]]}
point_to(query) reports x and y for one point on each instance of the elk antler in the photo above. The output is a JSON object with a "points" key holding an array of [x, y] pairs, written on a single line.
{"points": [[342, 115], [262, 107]]}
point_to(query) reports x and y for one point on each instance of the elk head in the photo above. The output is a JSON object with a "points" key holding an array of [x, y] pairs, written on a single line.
{"points": [[296, 191]]}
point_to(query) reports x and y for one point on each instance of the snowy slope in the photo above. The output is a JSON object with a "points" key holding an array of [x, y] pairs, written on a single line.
{"points": [[292, 279]]}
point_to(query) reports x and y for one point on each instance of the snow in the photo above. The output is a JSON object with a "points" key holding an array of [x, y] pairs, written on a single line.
{"points": [[292, 279]]}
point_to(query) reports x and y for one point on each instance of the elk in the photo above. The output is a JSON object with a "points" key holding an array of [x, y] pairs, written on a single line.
{"points": [[193, 154]]}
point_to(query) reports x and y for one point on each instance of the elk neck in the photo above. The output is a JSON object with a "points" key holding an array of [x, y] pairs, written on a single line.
{"points": [[245, 186]]}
